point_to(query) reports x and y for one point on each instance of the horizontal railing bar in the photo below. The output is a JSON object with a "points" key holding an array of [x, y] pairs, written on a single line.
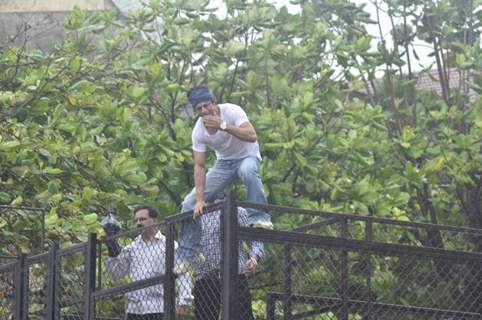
{"points": [[170, 219], [304, 239], [311, 226], [73, 249], [39, 258], [364, 305], [188, 214], [123, 288], [291, 210], [314, 312], [8, 267], [8, 257], [134, 232], [21, 208], [70, 317]]}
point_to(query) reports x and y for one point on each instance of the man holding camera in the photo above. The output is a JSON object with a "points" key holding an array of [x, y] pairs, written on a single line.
{"points": [[142, 259]]}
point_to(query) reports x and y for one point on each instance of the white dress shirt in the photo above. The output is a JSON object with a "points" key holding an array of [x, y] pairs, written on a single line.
{"points": [[142, 260]]}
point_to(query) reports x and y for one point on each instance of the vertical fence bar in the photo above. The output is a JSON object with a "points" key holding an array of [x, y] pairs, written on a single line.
{"points": [[230, 257], [99, 265], [270, 306], [21, 281], [344, 272], [288, 259], [369, 237], [169, 284], [90, 256], [52, 277], [42, 236]]}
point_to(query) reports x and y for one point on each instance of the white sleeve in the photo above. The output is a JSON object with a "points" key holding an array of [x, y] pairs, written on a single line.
{"points": [[197, 144], [119, 266], [237, 114], [184, 286]]}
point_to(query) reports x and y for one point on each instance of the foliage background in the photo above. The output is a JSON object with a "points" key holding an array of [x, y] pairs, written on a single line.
{"points": [[102, 121]]}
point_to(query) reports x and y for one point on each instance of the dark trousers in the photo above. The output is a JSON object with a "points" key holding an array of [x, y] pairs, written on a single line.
{"points": [[147, 316], [207, 298]]}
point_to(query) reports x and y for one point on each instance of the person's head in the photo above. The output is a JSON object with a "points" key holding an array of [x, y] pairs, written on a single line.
{"points": [[202, 100], [145, 216]]}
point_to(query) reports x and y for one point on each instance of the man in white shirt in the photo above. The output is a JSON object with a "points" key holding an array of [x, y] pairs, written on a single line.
{"points": [[224, 128], [142, 259], [207, 287]]}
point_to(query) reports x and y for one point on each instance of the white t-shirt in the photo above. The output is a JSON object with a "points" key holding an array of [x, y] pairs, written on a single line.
{"points": [[226, 146]]}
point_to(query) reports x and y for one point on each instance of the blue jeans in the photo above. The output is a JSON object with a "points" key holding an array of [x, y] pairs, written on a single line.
{"points": [[222, 174]]}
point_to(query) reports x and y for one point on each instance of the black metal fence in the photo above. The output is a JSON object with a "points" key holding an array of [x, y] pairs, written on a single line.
{"points": [[332, 267]]}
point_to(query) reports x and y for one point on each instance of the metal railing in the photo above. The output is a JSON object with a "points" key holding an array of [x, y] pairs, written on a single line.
{"points": [[332, 266]]}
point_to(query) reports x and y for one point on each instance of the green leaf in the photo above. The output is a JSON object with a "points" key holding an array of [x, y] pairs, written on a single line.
{"points": [[52, 219], [5, 197], [137, 92], [90, 218], [52, 171], [155, 70], [9, 145]]}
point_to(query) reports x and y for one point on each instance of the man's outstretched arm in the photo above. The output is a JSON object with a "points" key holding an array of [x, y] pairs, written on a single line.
{"points": [[199, 181]]}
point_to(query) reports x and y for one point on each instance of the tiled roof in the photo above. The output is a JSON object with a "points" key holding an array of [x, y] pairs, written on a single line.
{"points": [[426, 80], [430, 80]]}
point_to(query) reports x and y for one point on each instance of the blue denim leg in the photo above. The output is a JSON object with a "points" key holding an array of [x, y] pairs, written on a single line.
{"points": [[217, 178], [248, 172]]}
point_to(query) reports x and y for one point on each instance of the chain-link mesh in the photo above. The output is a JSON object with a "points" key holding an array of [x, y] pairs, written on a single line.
{"points": [[134, 264], [318, 283], [336, 268], [37, 273], [70, 280], [208, 281], [340, 279], [7, 287]]}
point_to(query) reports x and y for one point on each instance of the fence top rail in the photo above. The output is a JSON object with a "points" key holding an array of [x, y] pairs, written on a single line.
{"points": [[8, 257], [188, 214], [302, 239], [72, 249], [341, 216], [4, 208], [8, 267], [39, 258]]}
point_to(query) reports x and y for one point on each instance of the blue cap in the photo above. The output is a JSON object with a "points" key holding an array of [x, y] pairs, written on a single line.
{"points": [[198, 95]]}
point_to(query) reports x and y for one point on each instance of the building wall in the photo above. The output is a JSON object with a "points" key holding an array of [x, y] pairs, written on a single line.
{"points": [[52, 5], [39, 23]]}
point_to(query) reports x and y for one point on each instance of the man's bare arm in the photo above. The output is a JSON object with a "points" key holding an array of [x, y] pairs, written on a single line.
{"points": [[244, 132], [199, 181]]}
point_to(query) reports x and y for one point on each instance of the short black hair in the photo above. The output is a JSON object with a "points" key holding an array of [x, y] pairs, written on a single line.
{"points": [[150, 210]]}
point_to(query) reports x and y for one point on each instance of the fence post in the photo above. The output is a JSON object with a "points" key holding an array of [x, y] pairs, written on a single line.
{"points": [[21, 302], [369, 237], [99, 265], [270, 306], [42, 236], [52, 277], [287, 309], [90, 255], [169, 284], [344, 272], [230, 255]]}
